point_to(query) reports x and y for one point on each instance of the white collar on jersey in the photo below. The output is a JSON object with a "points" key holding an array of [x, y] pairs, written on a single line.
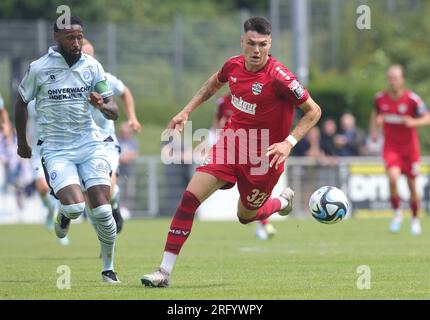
{"points": [[53, 50]]}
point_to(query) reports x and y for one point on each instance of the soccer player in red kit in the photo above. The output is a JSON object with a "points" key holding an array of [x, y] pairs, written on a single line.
{"points": [[264, 95], [224, 111], [401, 150]]}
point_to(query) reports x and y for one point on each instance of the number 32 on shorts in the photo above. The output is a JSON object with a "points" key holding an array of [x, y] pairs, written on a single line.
{"points": [[257, 198]]}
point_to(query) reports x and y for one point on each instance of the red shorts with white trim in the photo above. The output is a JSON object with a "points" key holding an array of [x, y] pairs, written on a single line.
{"points": [[407, 162], [254, 182]]}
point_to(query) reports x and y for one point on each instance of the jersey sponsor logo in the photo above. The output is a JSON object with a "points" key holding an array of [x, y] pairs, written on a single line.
{"points": [[257, 88], [297, 89], [242, 105], [67, 93], [283, 73], [402, 108], [179, 232], [393, 119]]}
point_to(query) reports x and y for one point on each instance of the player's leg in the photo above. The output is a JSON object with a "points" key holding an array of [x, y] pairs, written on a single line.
{"points": [[103, 222], [72, 205], [95, 174], [264, 230], [414, 202], [201, 187], [254, 203], [63, 179], [393, 173], [114, 201], [48, 201]]}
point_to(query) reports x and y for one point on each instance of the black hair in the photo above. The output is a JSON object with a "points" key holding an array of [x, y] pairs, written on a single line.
{"points": [[259, 24], [73, 20]]}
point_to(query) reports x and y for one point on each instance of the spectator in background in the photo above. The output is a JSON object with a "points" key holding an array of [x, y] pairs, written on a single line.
{"points": [[4, 120], [328, 134], [129, 153], [309, 146], [350, 142]]}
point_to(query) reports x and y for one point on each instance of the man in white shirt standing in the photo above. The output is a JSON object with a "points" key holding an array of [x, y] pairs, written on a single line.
{"points": [[64, 82]]}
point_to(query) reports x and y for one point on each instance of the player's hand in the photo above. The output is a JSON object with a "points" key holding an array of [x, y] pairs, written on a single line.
{"points": [[134, 125], [374, 136], [96, 100], [178, 121], [409, 121], [280, 152], [380, 119], [24, 150]]}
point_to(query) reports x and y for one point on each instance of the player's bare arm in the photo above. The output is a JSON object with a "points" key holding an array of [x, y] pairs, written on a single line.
{"points": [[281, 150], [107, 106], [129, 106], [21, 116], [209, 88], [376, 121], [421, 121]]}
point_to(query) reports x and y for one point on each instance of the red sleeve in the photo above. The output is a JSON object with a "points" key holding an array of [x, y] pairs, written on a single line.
{"points": [[286, 85], [223, 72]]}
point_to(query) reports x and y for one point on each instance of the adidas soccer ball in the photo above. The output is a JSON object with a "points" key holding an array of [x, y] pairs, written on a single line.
{"points": [[328, 205]]}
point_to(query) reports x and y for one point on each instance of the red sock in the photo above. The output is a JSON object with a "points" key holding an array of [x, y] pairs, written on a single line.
{"points": [[395, 202], [414, 207], [182, 222], [264, 222], [270, 207]]}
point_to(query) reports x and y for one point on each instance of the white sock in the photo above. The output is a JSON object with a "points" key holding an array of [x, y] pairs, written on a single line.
{"points": [[398, 213], [284, 202], [106, 231], [114, 201], [168, 262]]}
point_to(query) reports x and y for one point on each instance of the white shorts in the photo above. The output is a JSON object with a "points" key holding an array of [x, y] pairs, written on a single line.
{"points": [[87, 165], [36, 163], [112, 150]]}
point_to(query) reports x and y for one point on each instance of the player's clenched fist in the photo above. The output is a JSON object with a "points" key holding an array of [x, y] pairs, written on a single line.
{"points": [[24, 151], [178, 121], [96, 99]]}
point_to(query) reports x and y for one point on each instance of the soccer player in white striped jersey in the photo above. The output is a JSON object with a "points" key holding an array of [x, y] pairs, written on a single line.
{"points": [[64, 83], [107, 129]]}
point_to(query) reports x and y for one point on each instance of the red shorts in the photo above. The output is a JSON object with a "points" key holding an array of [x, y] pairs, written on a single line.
{"points": [[407, 162], [254, 189]]}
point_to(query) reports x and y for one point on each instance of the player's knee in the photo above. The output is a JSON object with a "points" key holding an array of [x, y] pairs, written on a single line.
{"points": [[244, 220], [73, 211]]}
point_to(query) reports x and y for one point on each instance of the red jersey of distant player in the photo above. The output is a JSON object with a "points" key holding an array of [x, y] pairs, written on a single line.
{"points": [[401, 144], [224, 107], [261, 100]]}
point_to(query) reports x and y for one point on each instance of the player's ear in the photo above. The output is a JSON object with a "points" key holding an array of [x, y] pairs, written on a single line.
{"points": [[241, 41], [56, 36]]}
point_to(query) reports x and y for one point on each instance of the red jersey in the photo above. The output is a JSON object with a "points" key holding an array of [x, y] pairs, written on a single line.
{"points": [[265, 99], [398, 137]]}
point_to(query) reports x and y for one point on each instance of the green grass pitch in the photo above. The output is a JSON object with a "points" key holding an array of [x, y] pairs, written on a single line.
{"points": [[223, 260]]}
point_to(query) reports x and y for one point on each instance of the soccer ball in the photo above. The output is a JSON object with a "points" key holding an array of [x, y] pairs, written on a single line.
{"points": [[328, 205]]}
